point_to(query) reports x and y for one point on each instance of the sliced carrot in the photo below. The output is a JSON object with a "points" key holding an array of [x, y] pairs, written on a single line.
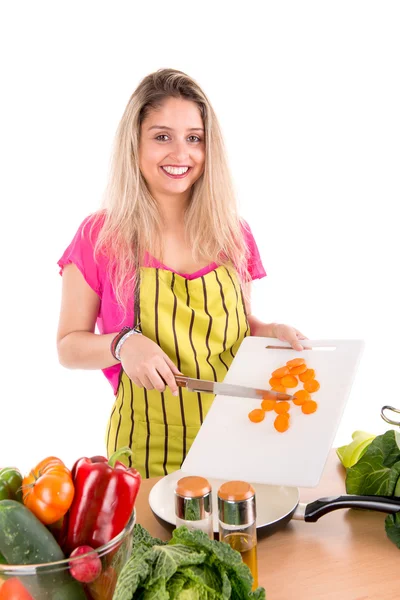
{"points": [[295, 362], [289, 381], [275, 381], [298, 370], [300, 397], [281, 422], [279, 388], [311, 386], [281, 372], [257, 415], [282, 407], [268, 404], [307, 375], [309, 407]]}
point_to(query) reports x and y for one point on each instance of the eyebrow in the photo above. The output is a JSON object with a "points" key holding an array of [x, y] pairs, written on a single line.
{"points": [[170, 128]]}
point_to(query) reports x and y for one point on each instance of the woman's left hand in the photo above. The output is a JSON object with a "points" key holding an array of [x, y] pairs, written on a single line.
{"points": [[286, 333]]}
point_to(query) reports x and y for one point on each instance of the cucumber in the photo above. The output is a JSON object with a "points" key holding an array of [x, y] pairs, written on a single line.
{"points": [[24, 540]]}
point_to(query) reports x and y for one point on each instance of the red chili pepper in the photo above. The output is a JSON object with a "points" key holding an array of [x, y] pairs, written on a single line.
{"points": [[105, 494]]}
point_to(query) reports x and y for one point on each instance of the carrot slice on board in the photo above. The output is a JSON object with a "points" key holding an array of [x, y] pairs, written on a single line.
{"points": [[275, 381], [309, 407], [295, 362], [281, 372], [298, 370], [268, 404], [307, 375], [311, 386], [289, 381], [282, 407], [281, 422], [279, 388], [257, 415], [300, 397]]}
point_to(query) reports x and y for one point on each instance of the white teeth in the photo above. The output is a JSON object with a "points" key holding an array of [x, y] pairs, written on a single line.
{"points": [[176, 170]]}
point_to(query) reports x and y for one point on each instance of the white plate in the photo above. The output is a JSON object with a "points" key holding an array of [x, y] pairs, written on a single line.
{"points": [[273, 502]]}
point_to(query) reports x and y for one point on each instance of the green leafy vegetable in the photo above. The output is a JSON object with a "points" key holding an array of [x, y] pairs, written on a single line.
{"points": [[351, 453], [188, 567], [377, 473]]}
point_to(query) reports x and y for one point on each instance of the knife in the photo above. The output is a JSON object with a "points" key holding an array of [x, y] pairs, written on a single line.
{"points": [[228, 389]]}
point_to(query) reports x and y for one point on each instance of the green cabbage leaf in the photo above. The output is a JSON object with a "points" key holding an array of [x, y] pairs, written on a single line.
{"points": [[188, 567], [377, 473]]}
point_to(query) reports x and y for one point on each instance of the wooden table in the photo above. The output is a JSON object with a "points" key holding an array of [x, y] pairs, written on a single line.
{"points": [[343, 556]]}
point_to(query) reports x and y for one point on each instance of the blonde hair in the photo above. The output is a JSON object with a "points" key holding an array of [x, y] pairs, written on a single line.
{"points": [[131, 221]]}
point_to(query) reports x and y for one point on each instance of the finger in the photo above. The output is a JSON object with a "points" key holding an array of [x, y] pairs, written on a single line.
{"points": [[294, 342], [301, 336], [168, 377], [136, 381], [172, 366], [158, 380], [148, 382]]}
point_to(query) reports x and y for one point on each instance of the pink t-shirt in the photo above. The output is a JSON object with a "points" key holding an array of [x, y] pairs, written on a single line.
{"points": [[111, 317]]}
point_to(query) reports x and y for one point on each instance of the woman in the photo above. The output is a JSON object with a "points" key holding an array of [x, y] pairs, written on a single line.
{"points": [[164, 270]]}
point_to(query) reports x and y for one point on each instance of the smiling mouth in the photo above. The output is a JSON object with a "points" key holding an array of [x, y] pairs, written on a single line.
{"points": [[176, 172]]}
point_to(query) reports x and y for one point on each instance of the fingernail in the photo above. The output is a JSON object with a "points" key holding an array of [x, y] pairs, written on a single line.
{"points": [[175, 393]]}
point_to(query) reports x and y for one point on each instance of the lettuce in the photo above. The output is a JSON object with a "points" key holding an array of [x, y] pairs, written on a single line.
{"points": [[188, 567], [377, 473]]}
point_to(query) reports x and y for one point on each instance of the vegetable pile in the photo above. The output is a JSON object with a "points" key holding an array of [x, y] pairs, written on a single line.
{"points": [[188, 567], [373, 468], [54, 513], [289, 376]]}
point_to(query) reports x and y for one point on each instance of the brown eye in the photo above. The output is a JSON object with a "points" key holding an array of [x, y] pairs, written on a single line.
{"points": [[194, 138], [163, 135]]}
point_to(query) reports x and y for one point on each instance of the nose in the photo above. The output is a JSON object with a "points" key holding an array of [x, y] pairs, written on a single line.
{"points": [[179, 151]]}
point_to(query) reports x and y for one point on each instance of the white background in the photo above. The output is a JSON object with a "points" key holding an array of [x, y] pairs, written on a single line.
{"points": [[308, 97]]}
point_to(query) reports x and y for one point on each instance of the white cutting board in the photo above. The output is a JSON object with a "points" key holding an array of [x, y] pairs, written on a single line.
{"points": [[229, 446]]}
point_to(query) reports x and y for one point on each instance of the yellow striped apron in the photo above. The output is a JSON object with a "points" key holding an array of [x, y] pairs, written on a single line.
{"points": [[200, 324]]}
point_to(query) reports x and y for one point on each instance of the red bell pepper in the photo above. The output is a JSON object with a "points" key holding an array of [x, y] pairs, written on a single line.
{"points": [[105, 494]]}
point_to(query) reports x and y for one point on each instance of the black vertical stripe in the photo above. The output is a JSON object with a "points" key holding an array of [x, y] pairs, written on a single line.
{"points": [[146, 399], [237, 313], [119, 419], [132, 422], [162, 393], [209, 328], [247, 332], [194, 351], [226, 322], [178, 361], [146, 465], [109, 425], [136, 321]]}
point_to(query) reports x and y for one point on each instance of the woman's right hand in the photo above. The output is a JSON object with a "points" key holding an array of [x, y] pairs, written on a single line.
{"points": [[147, 365]]}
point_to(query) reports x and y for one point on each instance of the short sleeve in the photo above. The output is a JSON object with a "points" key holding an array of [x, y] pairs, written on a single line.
{"points": [[254, 266], [80, 252]]}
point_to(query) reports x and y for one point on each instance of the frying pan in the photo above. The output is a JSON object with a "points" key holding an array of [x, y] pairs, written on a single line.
{"points": [[276, 505]]}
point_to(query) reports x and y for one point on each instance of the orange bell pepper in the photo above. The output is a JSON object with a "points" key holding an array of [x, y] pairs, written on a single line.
{"points": [[48, 490]]}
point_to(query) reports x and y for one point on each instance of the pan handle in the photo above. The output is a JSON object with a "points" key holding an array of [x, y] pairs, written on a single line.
{"points": [[314, 510]]}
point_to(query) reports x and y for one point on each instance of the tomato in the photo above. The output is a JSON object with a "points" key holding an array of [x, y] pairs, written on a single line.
{"points": [[12, 589], [48, 490]]}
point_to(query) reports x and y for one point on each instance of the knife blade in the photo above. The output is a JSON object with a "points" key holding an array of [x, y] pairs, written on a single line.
{"points": [[228, 389]]}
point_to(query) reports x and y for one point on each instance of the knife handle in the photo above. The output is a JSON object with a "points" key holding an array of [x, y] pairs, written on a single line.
{"points": [[181, 380]]}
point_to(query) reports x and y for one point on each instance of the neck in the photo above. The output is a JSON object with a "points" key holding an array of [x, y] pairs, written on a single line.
{"points": [[172, 209]]}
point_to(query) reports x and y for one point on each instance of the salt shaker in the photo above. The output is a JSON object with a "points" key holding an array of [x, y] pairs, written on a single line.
{"points": [[237, 521], [193, 504]]}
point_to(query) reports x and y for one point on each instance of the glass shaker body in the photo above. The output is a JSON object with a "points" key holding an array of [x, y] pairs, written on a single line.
{"points": [[193, 504], [237, 522]]}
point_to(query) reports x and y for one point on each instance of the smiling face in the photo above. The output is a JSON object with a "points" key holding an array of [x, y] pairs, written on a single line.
{"points": [[172, 148]]}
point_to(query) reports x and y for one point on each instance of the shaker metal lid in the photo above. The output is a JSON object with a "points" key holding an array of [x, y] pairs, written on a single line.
{"points": [[192, 487], [236, 491]]}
